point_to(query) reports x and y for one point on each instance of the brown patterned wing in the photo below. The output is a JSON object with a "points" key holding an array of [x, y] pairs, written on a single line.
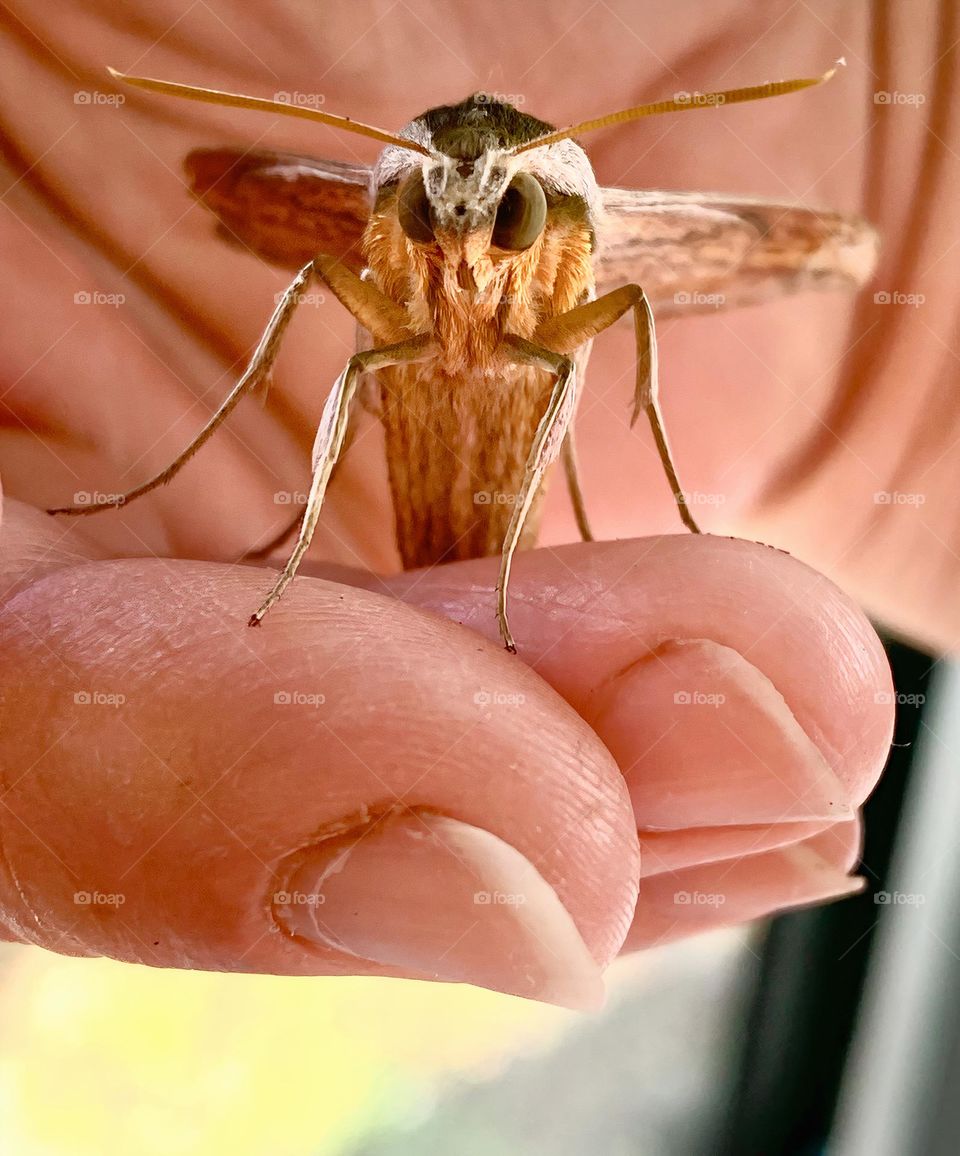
{"points": [[284, 208], [693, 252]]}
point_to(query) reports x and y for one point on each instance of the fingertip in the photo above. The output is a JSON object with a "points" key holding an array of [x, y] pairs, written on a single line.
{"points": [[220, 752], [586, 612]]}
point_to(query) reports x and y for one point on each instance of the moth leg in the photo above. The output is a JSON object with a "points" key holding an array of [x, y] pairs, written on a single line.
{"points": [[547, 441], [571, 469], [256, 372], [571, 330], [382, 317], [336, 276], [330, 437], [260, 553]]}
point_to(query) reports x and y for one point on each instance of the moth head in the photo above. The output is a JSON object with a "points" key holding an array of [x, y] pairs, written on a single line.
{"points": [[472, 197], [457, 204], [491, 170], [480, 178]]}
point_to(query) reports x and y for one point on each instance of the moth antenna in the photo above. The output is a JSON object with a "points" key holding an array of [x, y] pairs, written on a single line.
{"points": [[681, 103], [236, 100]]}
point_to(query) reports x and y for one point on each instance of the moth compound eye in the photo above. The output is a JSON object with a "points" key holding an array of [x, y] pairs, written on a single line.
{"points": [[522, 214], [413, 209]]}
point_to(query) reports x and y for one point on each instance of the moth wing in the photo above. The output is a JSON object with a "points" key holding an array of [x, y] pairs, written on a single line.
{"points": [[284, 208], [693, 252]]}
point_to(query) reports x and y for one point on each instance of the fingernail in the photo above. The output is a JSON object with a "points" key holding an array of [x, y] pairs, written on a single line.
{"points": [[722, 894], [444, 900], [705, 739], [662, 851]]}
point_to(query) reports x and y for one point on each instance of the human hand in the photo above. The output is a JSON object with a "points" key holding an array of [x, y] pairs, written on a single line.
{"points": [[204, 791]]}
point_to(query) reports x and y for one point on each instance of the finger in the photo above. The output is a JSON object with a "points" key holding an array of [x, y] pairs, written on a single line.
{"points": [[356, 787], [33, 544], [674, 904], [598, 615], [700, 844], [746, 699]]}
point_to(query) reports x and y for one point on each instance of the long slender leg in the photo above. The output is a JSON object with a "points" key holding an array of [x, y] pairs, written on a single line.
{"points": [[259, 553], [570, 330], [256, 372], [546, 446], [572, 470], [646, 399], [330, 436]]}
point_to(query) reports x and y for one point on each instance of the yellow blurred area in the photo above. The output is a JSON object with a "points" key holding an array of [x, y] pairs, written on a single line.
{"points": [[99, 1058]]}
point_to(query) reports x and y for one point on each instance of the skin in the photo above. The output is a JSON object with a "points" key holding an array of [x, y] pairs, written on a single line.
{"points": [[198, 796]]}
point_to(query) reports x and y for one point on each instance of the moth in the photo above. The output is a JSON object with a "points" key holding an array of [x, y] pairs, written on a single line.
{"points": [[480, 258]]}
